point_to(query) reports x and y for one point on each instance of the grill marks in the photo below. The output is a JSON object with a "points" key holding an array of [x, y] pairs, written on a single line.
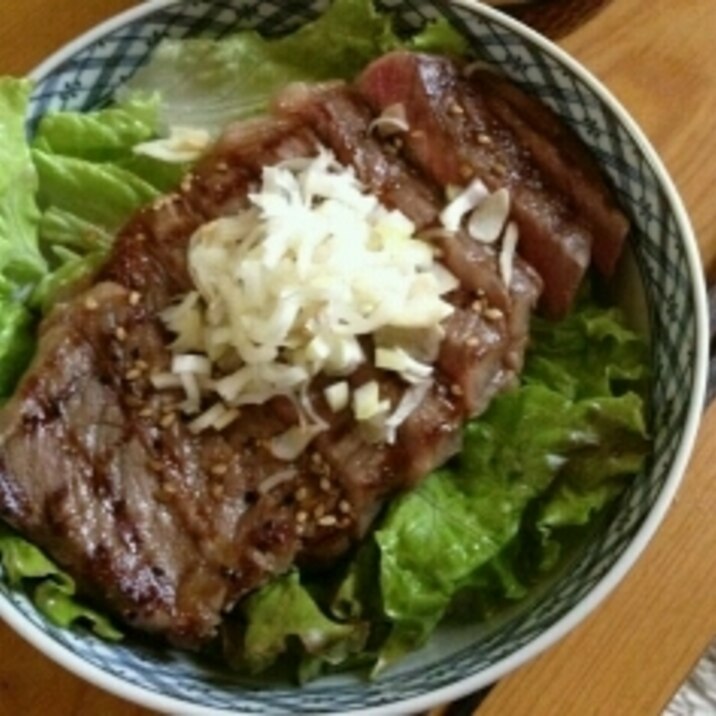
{"points": [[462, 129], [170, 530]]}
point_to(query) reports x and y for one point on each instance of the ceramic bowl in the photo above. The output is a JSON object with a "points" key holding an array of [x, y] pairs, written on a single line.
{"points": [[666, 278]]}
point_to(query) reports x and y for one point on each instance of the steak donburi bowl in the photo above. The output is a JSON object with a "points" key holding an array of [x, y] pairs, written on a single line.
{"points": [[657, 283]]}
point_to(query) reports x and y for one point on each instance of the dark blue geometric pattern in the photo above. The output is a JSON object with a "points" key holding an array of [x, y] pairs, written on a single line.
{"points": [[89, 78]]}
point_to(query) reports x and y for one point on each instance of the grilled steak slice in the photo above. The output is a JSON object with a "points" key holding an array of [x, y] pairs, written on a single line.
{"points": [[454, 137], [170, 529], [100, 472], [342, 120], [563, 160], [149, 255]]}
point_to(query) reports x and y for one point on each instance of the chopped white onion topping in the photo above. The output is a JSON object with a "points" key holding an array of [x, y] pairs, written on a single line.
{"points": [[337, 396], [184, 144], [216, 414], [367, 403], [392, 120], [278, 478], [398, 360], [198, 365], [290, 444], [164, 381], [409, 402], [507, 252], [286, 287], [475, 193], [193, 395], [488, 219], [309, 411], [488, 214]]}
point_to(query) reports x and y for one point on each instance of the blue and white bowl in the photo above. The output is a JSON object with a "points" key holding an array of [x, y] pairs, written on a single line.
{"points": [[667, 280]]}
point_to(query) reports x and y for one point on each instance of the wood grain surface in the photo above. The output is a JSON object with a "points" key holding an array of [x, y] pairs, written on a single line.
{"points": [[629, 657]]}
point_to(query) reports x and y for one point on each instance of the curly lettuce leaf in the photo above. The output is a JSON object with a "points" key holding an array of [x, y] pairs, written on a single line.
{"points": [[545, 457], [59, 227], [105, 135], [67, 182], [92, 154], [54, 592], [20, 259], [17, 341], [73, 271], [283, 612], [208, 83], [440, 37]]}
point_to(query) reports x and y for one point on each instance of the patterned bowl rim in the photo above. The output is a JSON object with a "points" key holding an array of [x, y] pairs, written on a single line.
{"points": [[116, 685]]}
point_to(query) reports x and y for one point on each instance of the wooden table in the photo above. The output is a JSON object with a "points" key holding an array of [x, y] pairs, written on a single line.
{"points": [[629, 657]]}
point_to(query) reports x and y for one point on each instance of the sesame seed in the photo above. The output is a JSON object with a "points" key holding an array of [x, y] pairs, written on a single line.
{"points": [[301, 516], [493, 314], [484, 139], [140, 236], [156, 465], [455, 108], [327, 521], [300, 529], [398, 143], [219, 469], [466, 171], [170, 488], [133, 374], [168, 420], [417, 133], [477, 306], [325, 484], [217, 491], [456, 390], [472, 342], [319, 511], [141, 364], [438, 253], [120, 334], [134, 298], [146, 413], [222, 166], [301, 494], [91, 304], [344, 506]]}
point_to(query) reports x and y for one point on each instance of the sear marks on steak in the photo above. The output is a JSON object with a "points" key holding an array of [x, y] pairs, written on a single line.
{"points": [[149, 255], [168, 529], [342, 121], [455, 135], [563, 159]]}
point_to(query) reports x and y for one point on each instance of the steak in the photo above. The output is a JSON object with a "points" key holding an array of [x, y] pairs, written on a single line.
{"points": [[563, 160], [461, 129], [169, 530]]}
